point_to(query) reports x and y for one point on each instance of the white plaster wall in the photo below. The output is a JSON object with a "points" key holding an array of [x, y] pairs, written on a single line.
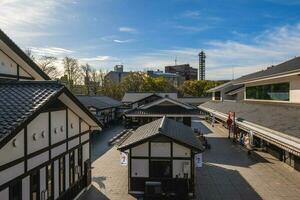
{"points": [[7, 66], [140, 150], [139, 167], [56, 179], [58, 121], [73, 143], [58, 150], [38, 160], [178, 168], [67, 170], [73, 123], [25, 188], [85, 137], [22, 72], [180, 151], [160, 149], [42, 180], [85, 152], [84, 126], [10, 153], [39, 127], [11, 173], [4, 194]]}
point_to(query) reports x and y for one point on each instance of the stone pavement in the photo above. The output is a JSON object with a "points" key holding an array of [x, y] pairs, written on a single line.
{"points": [[228, 172]]}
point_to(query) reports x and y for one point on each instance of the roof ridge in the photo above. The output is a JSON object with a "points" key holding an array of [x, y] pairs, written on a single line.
{"points": [[162, 123]]}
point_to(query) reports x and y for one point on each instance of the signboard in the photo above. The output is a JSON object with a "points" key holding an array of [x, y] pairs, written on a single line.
{"points": [[123, 159], [198, 160]]}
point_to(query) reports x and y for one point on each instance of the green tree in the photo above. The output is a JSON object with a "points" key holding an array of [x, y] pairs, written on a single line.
{"points": [[197, 88]]}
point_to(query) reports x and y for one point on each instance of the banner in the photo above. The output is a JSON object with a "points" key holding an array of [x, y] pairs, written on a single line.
{"points": [[198, 160], [124, 159]]}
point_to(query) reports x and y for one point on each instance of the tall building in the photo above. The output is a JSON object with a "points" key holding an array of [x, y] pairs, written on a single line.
{"points": [[184, 70], [174, 79], [201, 71], [116, 76]]}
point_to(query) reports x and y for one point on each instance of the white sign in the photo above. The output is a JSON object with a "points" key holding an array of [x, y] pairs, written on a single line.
{"points": [[123, 159], [198, 160]]}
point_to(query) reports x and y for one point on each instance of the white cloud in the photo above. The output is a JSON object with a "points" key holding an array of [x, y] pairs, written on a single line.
{"points": [[123, 41], [100, 58], [191, 28], [51, 51], [127, 29], [268, 48]]}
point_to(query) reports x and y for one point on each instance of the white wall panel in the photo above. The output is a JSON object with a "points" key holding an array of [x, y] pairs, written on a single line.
{"points": [[4, 194], [37, 133], [73, 143], [56, 179], [58, 150], [38, 160], [10, 153], [178, 168], [73, 123], [140, 150], [58, 124], [85, 152], [7, 66], [26, 188], [160, 149], [84, 126], [11, 173], [42, 180], [180, 151], [139, 167], [67, 170], [85, 137]]}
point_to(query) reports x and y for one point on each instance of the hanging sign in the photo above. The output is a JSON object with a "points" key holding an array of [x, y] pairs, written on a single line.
{"points": [[123, 159], [198, 160]]}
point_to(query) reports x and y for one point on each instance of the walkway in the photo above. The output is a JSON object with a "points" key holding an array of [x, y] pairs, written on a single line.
{"points": [[229, 173]]}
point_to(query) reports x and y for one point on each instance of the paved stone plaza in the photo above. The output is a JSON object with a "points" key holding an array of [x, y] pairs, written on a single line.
{"points": [[227, 173]]}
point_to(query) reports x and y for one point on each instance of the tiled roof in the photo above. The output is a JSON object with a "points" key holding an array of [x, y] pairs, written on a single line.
{"points": [[19, 100], [279, 117], [163, 110], [99, 102], [130, 97], [166, 127], [283, 68]]}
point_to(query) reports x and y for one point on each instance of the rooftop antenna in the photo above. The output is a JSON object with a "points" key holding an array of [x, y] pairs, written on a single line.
{"points": [[175, 60]]}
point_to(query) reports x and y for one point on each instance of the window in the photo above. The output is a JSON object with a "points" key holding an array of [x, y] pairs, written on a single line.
{"points": [[160, 168], [61, 175], [72, 168], [49, 181], [217, 95], [34, 185], [278, 91], [15, 191]]}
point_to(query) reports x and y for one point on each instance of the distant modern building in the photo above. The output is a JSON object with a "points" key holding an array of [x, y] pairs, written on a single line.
{"points": [[266, 109], [116, 76], [184, 70], [174, 79], [201, 70], [104, 108]]}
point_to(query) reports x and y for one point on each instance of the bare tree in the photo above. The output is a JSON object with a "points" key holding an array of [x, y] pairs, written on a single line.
{"points": [[29, 53], [97, 80], [47, 64], [86, 71], [72, 71]]}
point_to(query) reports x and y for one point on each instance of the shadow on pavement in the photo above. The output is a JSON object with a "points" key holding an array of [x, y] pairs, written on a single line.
{"points": [[214, 182], [93, 193], [100, 141]]}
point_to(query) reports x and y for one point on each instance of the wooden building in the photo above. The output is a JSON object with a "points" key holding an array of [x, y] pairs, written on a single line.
{"points": [[162, 152], [155, 106], [44, 132]]}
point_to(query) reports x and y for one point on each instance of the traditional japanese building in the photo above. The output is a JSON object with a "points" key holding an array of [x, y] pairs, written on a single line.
{"points": [[266, 105], [44, 132], [161, 155], [155, 106], [105, 109]]}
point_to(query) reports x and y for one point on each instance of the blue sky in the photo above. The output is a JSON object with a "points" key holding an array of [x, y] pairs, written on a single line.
{"points": [[239, 36]]}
